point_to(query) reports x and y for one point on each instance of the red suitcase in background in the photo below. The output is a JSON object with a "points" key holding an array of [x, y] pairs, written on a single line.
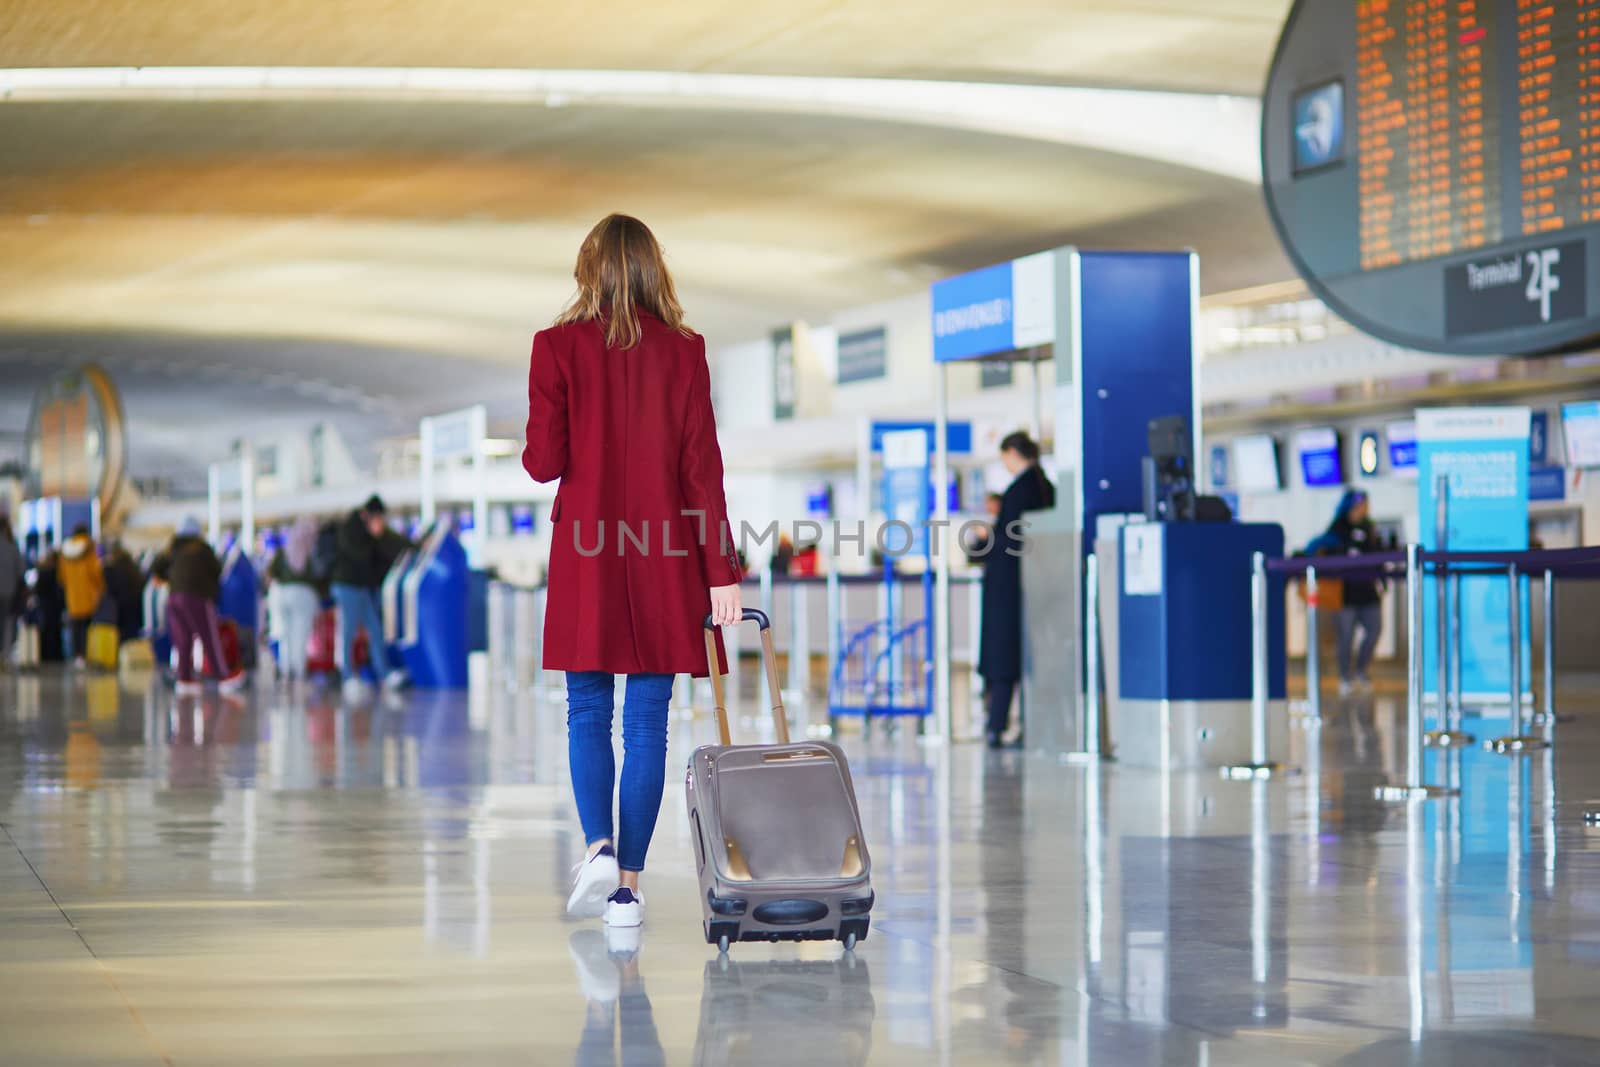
{"points": [[228, 637], [321, 650]]}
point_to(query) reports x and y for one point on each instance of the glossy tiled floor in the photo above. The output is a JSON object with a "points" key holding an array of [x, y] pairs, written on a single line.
{"points": [[289, 882]]}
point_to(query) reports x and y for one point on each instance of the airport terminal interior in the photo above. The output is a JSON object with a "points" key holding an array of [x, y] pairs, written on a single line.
{"points": [[1155, 441]]}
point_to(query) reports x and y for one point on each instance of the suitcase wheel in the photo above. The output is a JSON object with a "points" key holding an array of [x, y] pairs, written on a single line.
{"points": [[850, 942], [722, 945]]}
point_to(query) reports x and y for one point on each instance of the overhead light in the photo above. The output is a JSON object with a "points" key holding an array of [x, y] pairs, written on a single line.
{"points": [[1207, 132]]}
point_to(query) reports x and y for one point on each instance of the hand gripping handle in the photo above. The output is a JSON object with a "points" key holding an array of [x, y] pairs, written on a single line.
{"points": [[769, 657]]}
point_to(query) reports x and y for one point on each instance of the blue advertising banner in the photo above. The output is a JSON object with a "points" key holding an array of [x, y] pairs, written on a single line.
{"points": [[1483, 454], [957, 435], [905, 491]]}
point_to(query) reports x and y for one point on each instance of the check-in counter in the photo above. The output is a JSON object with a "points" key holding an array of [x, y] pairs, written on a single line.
{"points": [[1184, 655]]}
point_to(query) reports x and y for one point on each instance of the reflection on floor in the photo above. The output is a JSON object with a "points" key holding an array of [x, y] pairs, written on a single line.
{"points": [[287, 881]]}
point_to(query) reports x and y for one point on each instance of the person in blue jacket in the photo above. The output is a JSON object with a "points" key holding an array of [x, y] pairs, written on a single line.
{"points": [[1351, 534]]}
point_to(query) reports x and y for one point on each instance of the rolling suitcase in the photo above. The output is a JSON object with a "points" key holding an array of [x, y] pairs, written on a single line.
{"points": [[776, 831]]}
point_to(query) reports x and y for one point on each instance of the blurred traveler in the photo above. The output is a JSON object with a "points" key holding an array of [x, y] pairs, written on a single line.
{"points": [[84, 582], [295, 596], [13, 590], [125, 584], [1350, 534], [193, 575], [358, 571], [49, 607], [1000, 646], [619, 409]]}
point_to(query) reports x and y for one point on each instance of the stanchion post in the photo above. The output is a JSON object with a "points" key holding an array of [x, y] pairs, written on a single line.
{"points": [[1313, 648], [1518, 740], [1260, 765], [1414, 788], [1547, 716], [1089, 730], [1450, 734], [1456, 710]]}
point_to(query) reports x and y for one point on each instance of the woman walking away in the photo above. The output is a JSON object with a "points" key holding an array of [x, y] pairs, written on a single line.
{"points": [[193, 575], [85, 583], [1350, 534], [295, 597], [1000, 643], [619, 408]]}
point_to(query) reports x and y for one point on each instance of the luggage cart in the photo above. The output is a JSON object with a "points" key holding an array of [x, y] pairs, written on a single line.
{"points": [[883, 668]]}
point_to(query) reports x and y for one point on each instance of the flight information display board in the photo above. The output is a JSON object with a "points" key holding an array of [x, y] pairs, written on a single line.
{"points": [[1433, 167]]}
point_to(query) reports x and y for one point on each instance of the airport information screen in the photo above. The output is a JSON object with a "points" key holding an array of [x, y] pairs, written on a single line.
{"points": [[1433, 167]]}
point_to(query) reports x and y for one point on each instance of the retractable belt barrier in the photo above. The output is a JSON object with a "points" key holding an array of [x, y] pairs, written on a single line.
{"points": [[1574, 564]]}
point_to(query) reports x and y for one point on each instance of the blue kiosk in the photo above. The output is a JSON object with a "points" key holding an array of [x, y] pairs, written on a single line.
{"points": [[1121, 329], [426, 598]]}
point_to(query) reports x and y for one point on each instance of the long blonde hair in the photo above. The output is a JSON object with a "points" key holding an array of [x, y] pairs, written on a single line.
{"points": [[621, 269]]}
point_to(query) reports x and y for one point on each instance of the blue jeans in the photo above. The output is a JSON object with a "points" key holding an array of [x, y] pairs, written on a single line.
{"points": [[359, 610], [594, 765]]}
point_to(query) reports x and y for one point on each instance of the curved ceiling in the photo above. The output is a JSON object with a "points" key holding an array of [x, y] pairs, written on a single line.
{"points": [[1212, 46], [446, 224]]}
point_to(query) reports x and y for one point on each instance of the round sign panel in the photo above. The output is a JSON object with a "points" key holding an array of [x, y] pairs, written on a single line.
{"points": [[76, 446], [1433, 168]]}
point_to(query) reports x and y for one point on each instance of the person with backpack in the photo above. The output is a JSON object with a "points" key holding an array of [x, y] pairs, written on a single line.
{"points": [[357, 574]]}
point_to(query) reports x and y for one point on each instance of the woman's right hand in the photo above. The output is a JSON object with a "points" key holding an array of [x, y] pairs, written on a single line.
{"points": [[726, 606]]}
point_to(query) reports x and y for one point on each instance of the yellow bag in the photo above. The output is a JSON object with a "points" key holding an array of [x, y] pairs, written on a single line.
{"points": [[137, 655], [103, 641]]}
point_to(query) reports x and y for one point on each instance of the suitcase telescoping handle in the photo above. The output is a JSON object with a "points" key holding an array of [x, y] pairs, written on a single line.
{"points": [[769, 659]]}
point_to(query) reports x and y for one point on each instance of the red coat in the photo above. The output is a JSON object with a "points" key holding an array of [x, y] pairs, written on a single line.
{"points": [[632, 437]]}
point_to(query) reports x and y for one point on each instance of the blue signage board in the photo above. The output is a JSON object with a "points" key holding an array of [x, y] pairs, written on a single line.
{"points": [[863, 355], [1403, 447], [972, 314], [997, 309], [1320, 465], [1483, 452], [1547, 483], [522, 518], [957, 435], [1539, 438], [1219, 466]]}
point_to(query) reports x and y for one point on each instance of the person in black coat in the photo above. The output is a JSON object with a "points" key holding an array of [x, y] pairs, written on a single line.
{"points": [[125, 584], [1000, 644], [50, 607]]}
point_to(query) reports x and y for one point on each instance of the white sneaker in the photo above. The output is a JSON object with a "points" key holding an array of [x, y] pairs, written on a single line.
{"points": [[234, 682], [592, 881], [624, 908], [189, 689], [355, 690], [597, 975]]}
